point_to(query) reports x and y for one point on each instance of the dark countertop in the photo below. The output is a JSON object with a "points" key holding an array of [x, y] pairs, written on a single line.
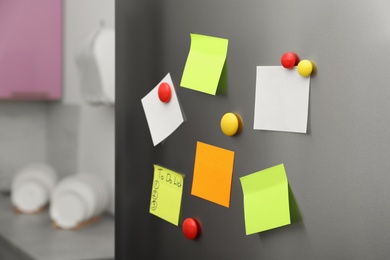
{"points": [[33, 237]]}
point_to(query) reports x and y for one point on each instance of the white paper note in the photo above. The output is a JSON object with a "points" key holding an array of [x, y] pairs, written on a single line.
{"points": [[163, 118], [282, 99]]}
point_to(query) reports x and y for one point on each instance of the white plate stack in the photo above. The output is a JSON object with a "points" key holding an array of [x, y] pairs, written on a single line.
{"points": [[32, 186], [78, 198]]}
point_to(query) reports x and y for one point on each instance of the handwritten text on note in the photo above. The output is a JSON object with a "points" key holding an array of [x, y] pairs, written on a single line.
{"points": [[166, 194]]}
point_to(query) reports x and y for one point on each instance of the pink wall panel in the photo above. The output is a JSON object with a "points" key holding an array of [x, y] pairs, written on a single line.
{"points": [[30, 49]]}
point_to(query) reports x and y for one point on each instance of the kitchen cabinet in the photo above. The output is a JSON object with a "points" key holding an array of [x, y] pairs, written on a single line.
{"points": [[31, 49]]}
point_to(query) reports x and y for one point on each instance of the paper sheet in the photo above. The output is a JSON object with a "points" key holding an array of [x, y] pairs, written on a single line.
{"points": [[204, 64], [282, 100], [165, 201], [266, 201], [163, 118], [213, 170]]}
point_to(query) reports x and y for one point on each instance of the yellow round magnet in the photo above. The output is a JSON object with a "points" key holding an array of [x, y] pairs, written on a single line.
{"points": [[231, 124], [305, 68]]}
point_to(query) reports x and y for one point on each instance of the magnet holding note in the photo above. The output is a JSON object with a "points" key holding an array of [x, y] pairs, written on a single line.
{"points": [[164, 92], [306, 68], [191, 228], [289, 60], [231, 124]]}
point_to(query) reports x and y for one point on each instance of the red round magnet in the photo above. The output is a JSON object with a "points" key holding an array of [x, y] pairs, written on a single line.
{"points": [[191, 228], [289, 60], [164, 92]]}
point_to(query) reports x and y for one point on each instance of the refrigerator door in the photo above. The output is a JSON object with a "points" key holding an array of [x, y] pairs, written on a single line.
{"points": [[336, 169]]}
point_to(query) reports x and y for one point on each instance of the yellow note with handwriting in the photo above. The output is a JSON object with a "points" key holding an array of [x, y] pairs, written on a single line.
{"points": [[167, 191]]}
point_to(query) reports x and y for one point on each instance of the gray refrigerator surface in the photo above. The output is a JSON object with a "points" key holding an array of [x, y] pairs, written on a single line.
{"points": [[338, 173]]}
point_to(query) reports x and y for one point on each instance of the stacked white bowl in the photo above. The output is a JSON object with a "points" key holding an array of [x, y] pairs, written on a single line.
{"points": [[32, 186], [78, 198]]}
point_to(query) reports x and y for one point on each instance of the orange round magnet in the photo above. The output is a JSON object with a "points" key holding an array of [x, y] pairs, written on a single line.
{"points": [[164, 92], [231, 124], [191, 228]]}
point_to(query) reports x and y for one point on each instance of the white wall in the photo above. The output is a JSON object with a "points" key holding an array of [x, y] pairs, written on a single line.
{"points": [[96, 124], [23, 140]]}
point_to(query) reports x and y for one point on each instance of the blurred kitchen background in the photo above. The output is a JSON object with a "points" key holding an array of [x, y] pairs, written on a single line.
{"points": [[70, 134]]}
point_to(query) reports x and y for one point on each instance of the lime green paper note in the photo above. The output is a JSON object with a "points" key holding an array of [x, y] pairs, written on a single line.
{"points": [[266, 202], [204, 64], [165, 201]]}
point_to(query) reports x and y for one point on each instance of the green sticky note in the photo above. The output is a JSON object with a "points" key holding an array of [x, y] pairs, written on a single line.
{"points": [[204, 64], [167, 190], [266, 202]]}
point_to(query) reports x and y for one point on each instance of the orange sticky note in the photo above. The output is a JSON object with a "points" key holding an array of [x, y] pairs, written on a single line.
{"points": [[213, 172]]}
